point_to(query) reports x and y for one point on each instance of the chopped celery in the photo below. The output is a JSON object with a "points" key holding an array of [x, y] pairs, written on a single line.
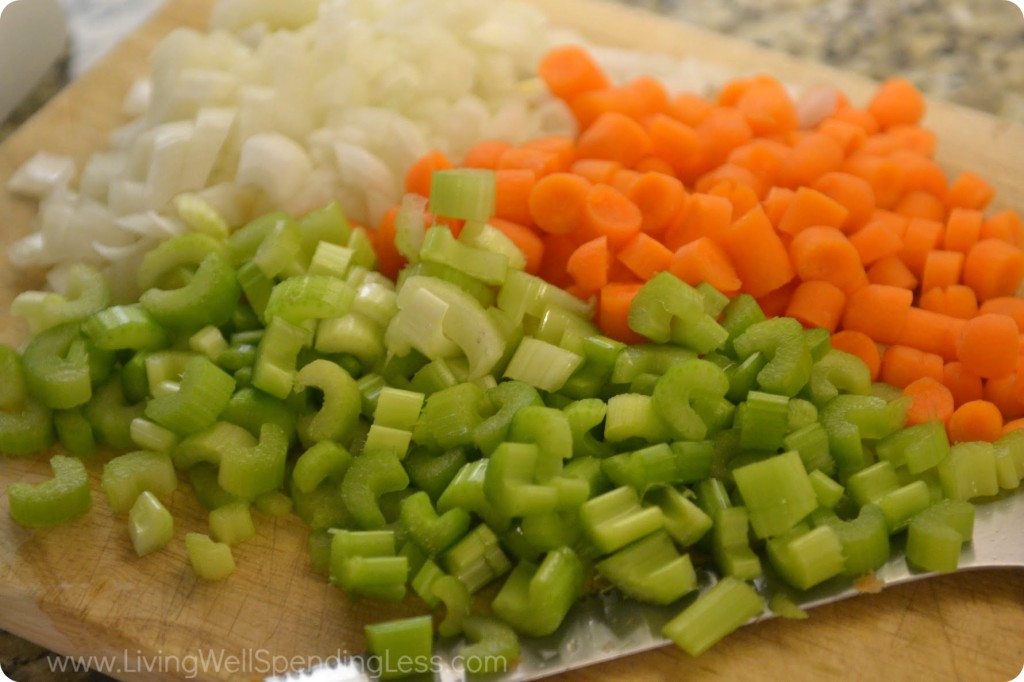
{"points": [[341, 402], [804, 557], [63, 498], [969, 471], [87, 293], [465, 193], [405, 647], [210, 560], [650, 570], [150, 524], [777, 492], [128, 476], [232, 523], [716, 613], [536, 598]]}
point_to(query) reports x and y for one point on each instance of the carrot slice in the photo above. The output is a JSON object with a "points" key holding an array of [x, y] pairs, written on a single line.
{"points": [[589, 264], [557, 202], [816, 303], [824, 253], [702, 260], [988, 345], [902, 365], [897, 101], [608, 212], [879, 311], [757, 253], [975, 420], [569, 70], [930, 401], [615, 137], [993, 268], [859, 344]]}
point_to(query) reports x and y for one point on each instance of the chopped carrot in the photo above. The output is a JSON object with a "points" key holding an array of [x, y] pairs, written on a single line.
{"points": [[742, 197], [613, 312], [608, 212], [930, 401], [853, 193], [988, 345], [731, 173], [761, 156], [886, 176], [389, 260], [817, 303], [649, 93], [512, 190], [969, 191], [595, 170], [417, 178], [721, 131], [485, 154], [557, 250], [528, 241], [589, 264], [962, 383], [1005, 225], [562, 146], [652, 164], [975, 420], [1003, 393], [774, 303], [813, 155], [689, 108], [863, 346], [879, 311], [768, 107], [858, 117], [645, 256], [897, 101], [757, 253], [876, 241], [540, 161], [1011, 306], [659, 198], [941, 269], [921, 204], [702, 260], [921, 238], [915, 138], [824, 253], [963, 229], [902, 365], [811, 208], [932, 332], [920, 172], [849, 136], [623, 179], [587, 107], [676, 143], [776, 202], [615, 137], [993, 268], [1013, 425], [705, 215], [892, 271], [557, 202], [955, 300], [569, 71]]}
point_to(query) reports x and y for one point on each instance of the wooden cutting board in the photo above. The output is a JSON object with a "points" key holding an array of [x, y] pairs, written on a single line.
{"points": [[80, 590]]}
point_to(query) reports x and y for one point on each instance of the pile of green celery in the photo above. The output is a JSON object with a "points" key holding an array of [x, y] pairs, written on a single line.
{"points": [[468, 435]]}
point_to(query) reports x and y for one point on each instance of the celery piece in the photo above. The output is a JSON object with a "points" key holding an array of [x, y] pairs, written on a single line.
{"points": [[508, 397], [280, 254], [661, 300], [936, 535], [542, 365], [74, 432], [363, 254], [208, 341], [232, 523], [743, 376], [433, 533], [244, 241], [714, 300], [456, 598], [203, 479], [850, 418], [828, 491], [322, 507], [423, 581], [476, 559], [185, 251], [683, 520], [728, 605], [111, 416], [325, 460], [440, 246], [370, 475], [150, 524], [777, 492], [87, 292], [309, 297], [738, 315], [210, 297], [127, 476], [783, 606], [548, 531], [326, 224], [56, 364], [903, 503], [493, 646], [535, 599], [703, 334], [463, 193], [615, 519], [63, 498], [865, 541], [466, 490], [565, 329], [210, 444], [583, 417], [405, 647], [256, 286], [13, 391], [801, 413], [249, 471], [27, 430], [320, 551], [838, 372], [969, 471], [510, 484], [650, 570], [398, 408], [276, 357], [919, 447], [805, 558], [388, 438], [730, 544], [124, 327], [763, 421], [782, 341], [811, 442], [819, 341], [432, 473], [680, 388], [250, 408], [200, 216], [712, 496], [871, 483], [274, 504], [149, 435], [480, 291], [549, 429], [204, 392], [366, 563], [450, 417], [330, 259], [522, 295], [210, 560], [647, 358], [631, 415], [339, 412]]}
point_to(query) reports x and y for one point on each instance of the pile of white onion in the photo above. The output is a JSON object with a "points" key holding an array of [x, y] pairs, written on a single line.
{"points": [[288, 105]]}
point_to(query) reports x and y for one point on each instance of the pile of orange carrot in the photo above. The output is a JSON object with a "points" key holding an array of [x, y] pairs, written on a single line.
{"points": [[847, 224]]}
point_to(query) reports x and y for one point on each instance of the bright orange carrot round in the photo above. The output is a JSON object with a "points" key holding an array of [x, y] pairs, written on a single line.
{"points": [[768, 107], [659, 198], [897, 101], [813, 155], [921, 238], [557, 250], [1005, 225], [417, 178], [853, 193], [702, 260], [389, 261], [731, 173], [902, 365], [526, 239], [963, 229], [705, 215], [849, 136], [757, 253], [761, 156], [915, 138], [1013, 425], [941, 269], [993, 268], [613, 312], [1010, 306], [587, 107], [824, 253], [930, 401], [777, 202], [722, 130], [608, 212], [956, 300], [962, 383], [816, 303], [879, 311], [624, 179], [652, 164], [892, 271], [1003, 393], [861, 345], [969, 190], [775, 302], [485, 154], [742, 197], [920, 172], [858, 117], [541, 161], [886, 176], [931, 332], [649, 93], [689, 108], [644, 256], [875, 241], [512, 189], [975, 420], [589, 264], [595, 170], [615, 137], [562, 146], [988, 345], [811, 208], [557, 202], [920, 203], [569, 70]]}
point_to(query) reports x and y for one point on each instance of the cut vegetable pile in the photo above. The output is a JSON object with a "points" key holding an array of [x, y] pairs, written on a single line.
{"points": [[736, 332]]}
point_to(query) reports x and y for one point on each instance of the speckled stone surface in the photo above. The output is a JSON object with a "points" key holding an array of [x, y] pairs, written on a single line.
{"points": [[966, 51]]}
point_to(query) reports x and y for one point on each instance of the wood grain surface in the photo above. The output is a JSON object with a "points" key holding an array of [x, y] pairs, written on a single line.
{"points": [[80, 590]]}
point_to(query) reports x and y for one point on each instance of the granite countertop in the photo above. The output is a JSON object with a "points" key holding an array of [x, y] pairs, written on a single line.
{"points": [[967, 51]]}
